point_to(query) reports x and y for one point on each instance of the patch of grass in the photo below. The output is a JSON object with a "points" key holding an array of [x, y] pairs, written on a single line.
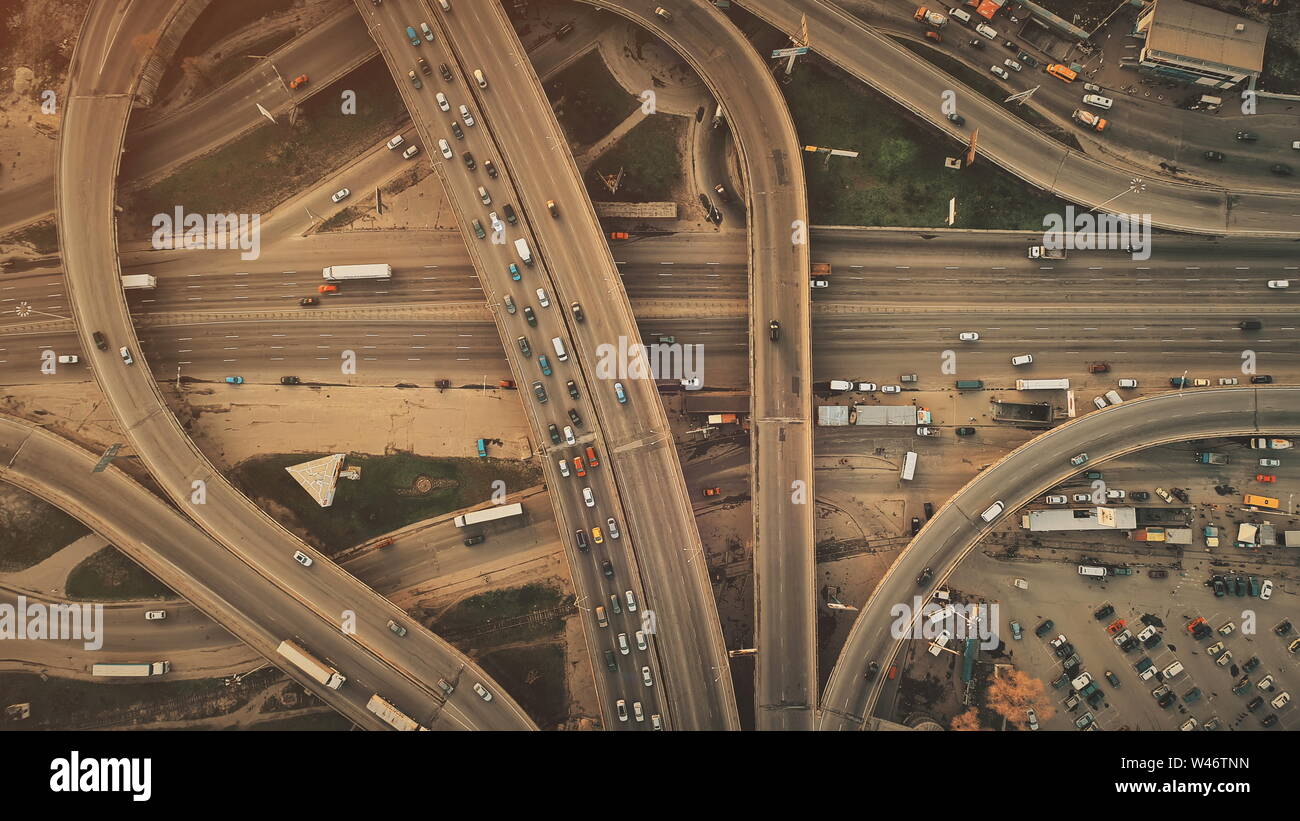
{"points": [[383, 499], [31, 529], [495, 606], [277, 160], [588, 101], [58, 703], [534, 676], [314, 722], [899, 179], [43, 237], [109, 575], [649, 158]]}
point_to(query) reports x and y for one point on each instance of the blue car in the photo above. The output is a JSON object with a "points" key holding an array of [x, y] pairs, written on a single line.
{"points": [[514, 272], [414, 38], [620, 393], [235, 380], [546, 365]]}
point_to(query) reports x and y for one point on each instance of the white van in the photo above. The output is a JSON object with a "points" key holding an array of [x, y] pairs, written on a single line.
{"points": [[1086, 570], [987, 31], [479, 78], [961, 15], [1114, 397], [560, 353], [1172, 670], [994, 510], [1023, 359]]}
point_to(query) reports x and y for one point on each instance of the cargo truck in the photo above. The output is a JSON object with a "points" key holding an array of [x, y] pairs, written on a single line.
{"points": [[130, 282], [156, 668], [521, 247], [1089, 119], [490, 514], [1042, 384], [930, 18], [319, 671], [1043, 252], [341, 273], [1270, 444], [482, 448], [394, 717], [840, 385], [970, 384], [1207, 458], [723, 419]]}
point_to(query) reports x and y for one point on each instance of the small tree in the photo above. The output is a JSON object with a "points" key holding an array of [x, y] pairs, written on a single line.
{"points": [[968, 721], [1013, 693]]}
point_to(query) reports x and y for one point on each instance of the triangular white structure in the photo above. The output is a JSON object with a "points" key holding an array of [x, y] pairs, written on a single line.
{"points": [[319, 477]]}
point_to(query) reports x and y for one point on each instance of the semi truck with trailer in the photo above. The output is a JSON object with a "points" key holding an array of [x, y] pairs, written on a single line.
{"points": [[131, 282], [1264, 443], [319, 671], [395, 718], [342, 273], [490, 514], [154, 668]]}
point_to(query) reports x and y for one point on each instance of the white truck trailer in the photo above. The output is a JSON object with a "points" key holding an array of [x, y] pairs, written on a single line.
{"points": [[342, 273], [131, 282], [309, 664], [155, 668], [490, 514]]}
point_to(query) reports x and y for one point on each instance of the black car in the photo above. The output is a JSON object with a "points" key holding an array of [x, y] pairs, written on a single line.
{"points": [[1044, 628], [1064, 651], [607, 569], [580, 536], [872, 670], [490, 168], [1217, 156], [456, 130], [1027, 58], [575, 418], [1151, 640], [965, 431], [576, 307], [699, 114], [957, 119], [924, 576], [444, 71], [1096, 698], [1261, 379], [1240, 582], [101, 341], [563, 31], [530, 316], [290, 380], [1220, 586], [929, 511], [1130, 644], [916, 525], [469, 160], [573, 388], [773, 330], [1009, 44], [1283, 628], [509, 211], [309, 300], [539, 390], [1167, 699], [977, 44], [555, 433], [1247, 137], [1255, 703], [1102, 612], [1139, 495], [1202, 632], [1281, 170], [473, 540], [424, 65]]}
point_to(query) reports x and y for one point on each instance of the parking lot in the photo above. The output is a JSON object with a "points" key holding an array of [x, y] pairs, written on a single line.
{"points": [[1057, 592]]}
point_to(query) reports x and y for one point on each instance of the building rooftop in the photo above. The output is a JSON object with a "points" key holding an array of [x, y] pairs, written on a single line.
{"points": [[1186, 29]]}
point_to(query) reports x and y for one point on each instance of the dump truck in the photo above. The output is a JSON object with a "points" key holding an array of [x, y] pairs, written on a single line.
{"points": [[131, 282], [154, 668], [1043, 252], [1208, 458]]}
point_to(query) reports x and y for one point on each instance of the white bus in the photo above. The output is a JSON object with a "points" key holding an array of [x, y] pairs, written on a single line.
{"points": [[909, 466]]}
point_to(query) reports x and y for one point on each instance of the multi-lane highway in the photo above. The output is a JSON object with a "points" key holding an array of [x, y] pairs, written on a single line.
{"points": [[1019, 476]]}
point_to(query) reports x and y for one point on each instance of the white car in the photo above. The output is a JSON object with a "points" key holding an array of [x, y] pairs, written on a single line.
{"points": [[302, 558], [410, 152], [542, 298], [1082, 681], [564, 467], [1056, 500], [694, 383], [646, 677], [1091, 87], [621, 706], [640, 640], [1227, 380], [485, 198], [340, 195], [993, 511], [482, 691], [1011, 64], [497, 224], [1099, 401], [1281, 701], [1033, 719], [466, 116], [445, 148], [154, 615], [1023, 359], [612, 527], [630, 597], [637, 712], [396, 141], [1279, 283], [1270, 463], [1083, 497], [987, 31], [568, 436], [821, 283], [623, 645], [1266, 589], [1098, 101], [968, 336], [588, 499], [1128, 383], [1116, 494], [69, 359], [891, 388], [442, 102], [125, 353], [867, 387], [1000, 71]]}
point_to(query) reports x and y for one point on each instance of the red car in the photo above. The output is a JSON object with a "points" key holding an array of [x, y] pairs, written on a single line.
{"points": [[1115, 626], [712, 491], [618, 234], [300, 80], [577, 465], [1265, 477], [327, 289], [935, 36]]}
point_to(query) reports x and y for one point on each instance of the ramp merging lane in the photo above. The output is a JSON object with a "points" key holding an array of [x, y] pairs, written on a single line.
{"points": [[104, 71], [1014, 145], [1022, 474]]}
